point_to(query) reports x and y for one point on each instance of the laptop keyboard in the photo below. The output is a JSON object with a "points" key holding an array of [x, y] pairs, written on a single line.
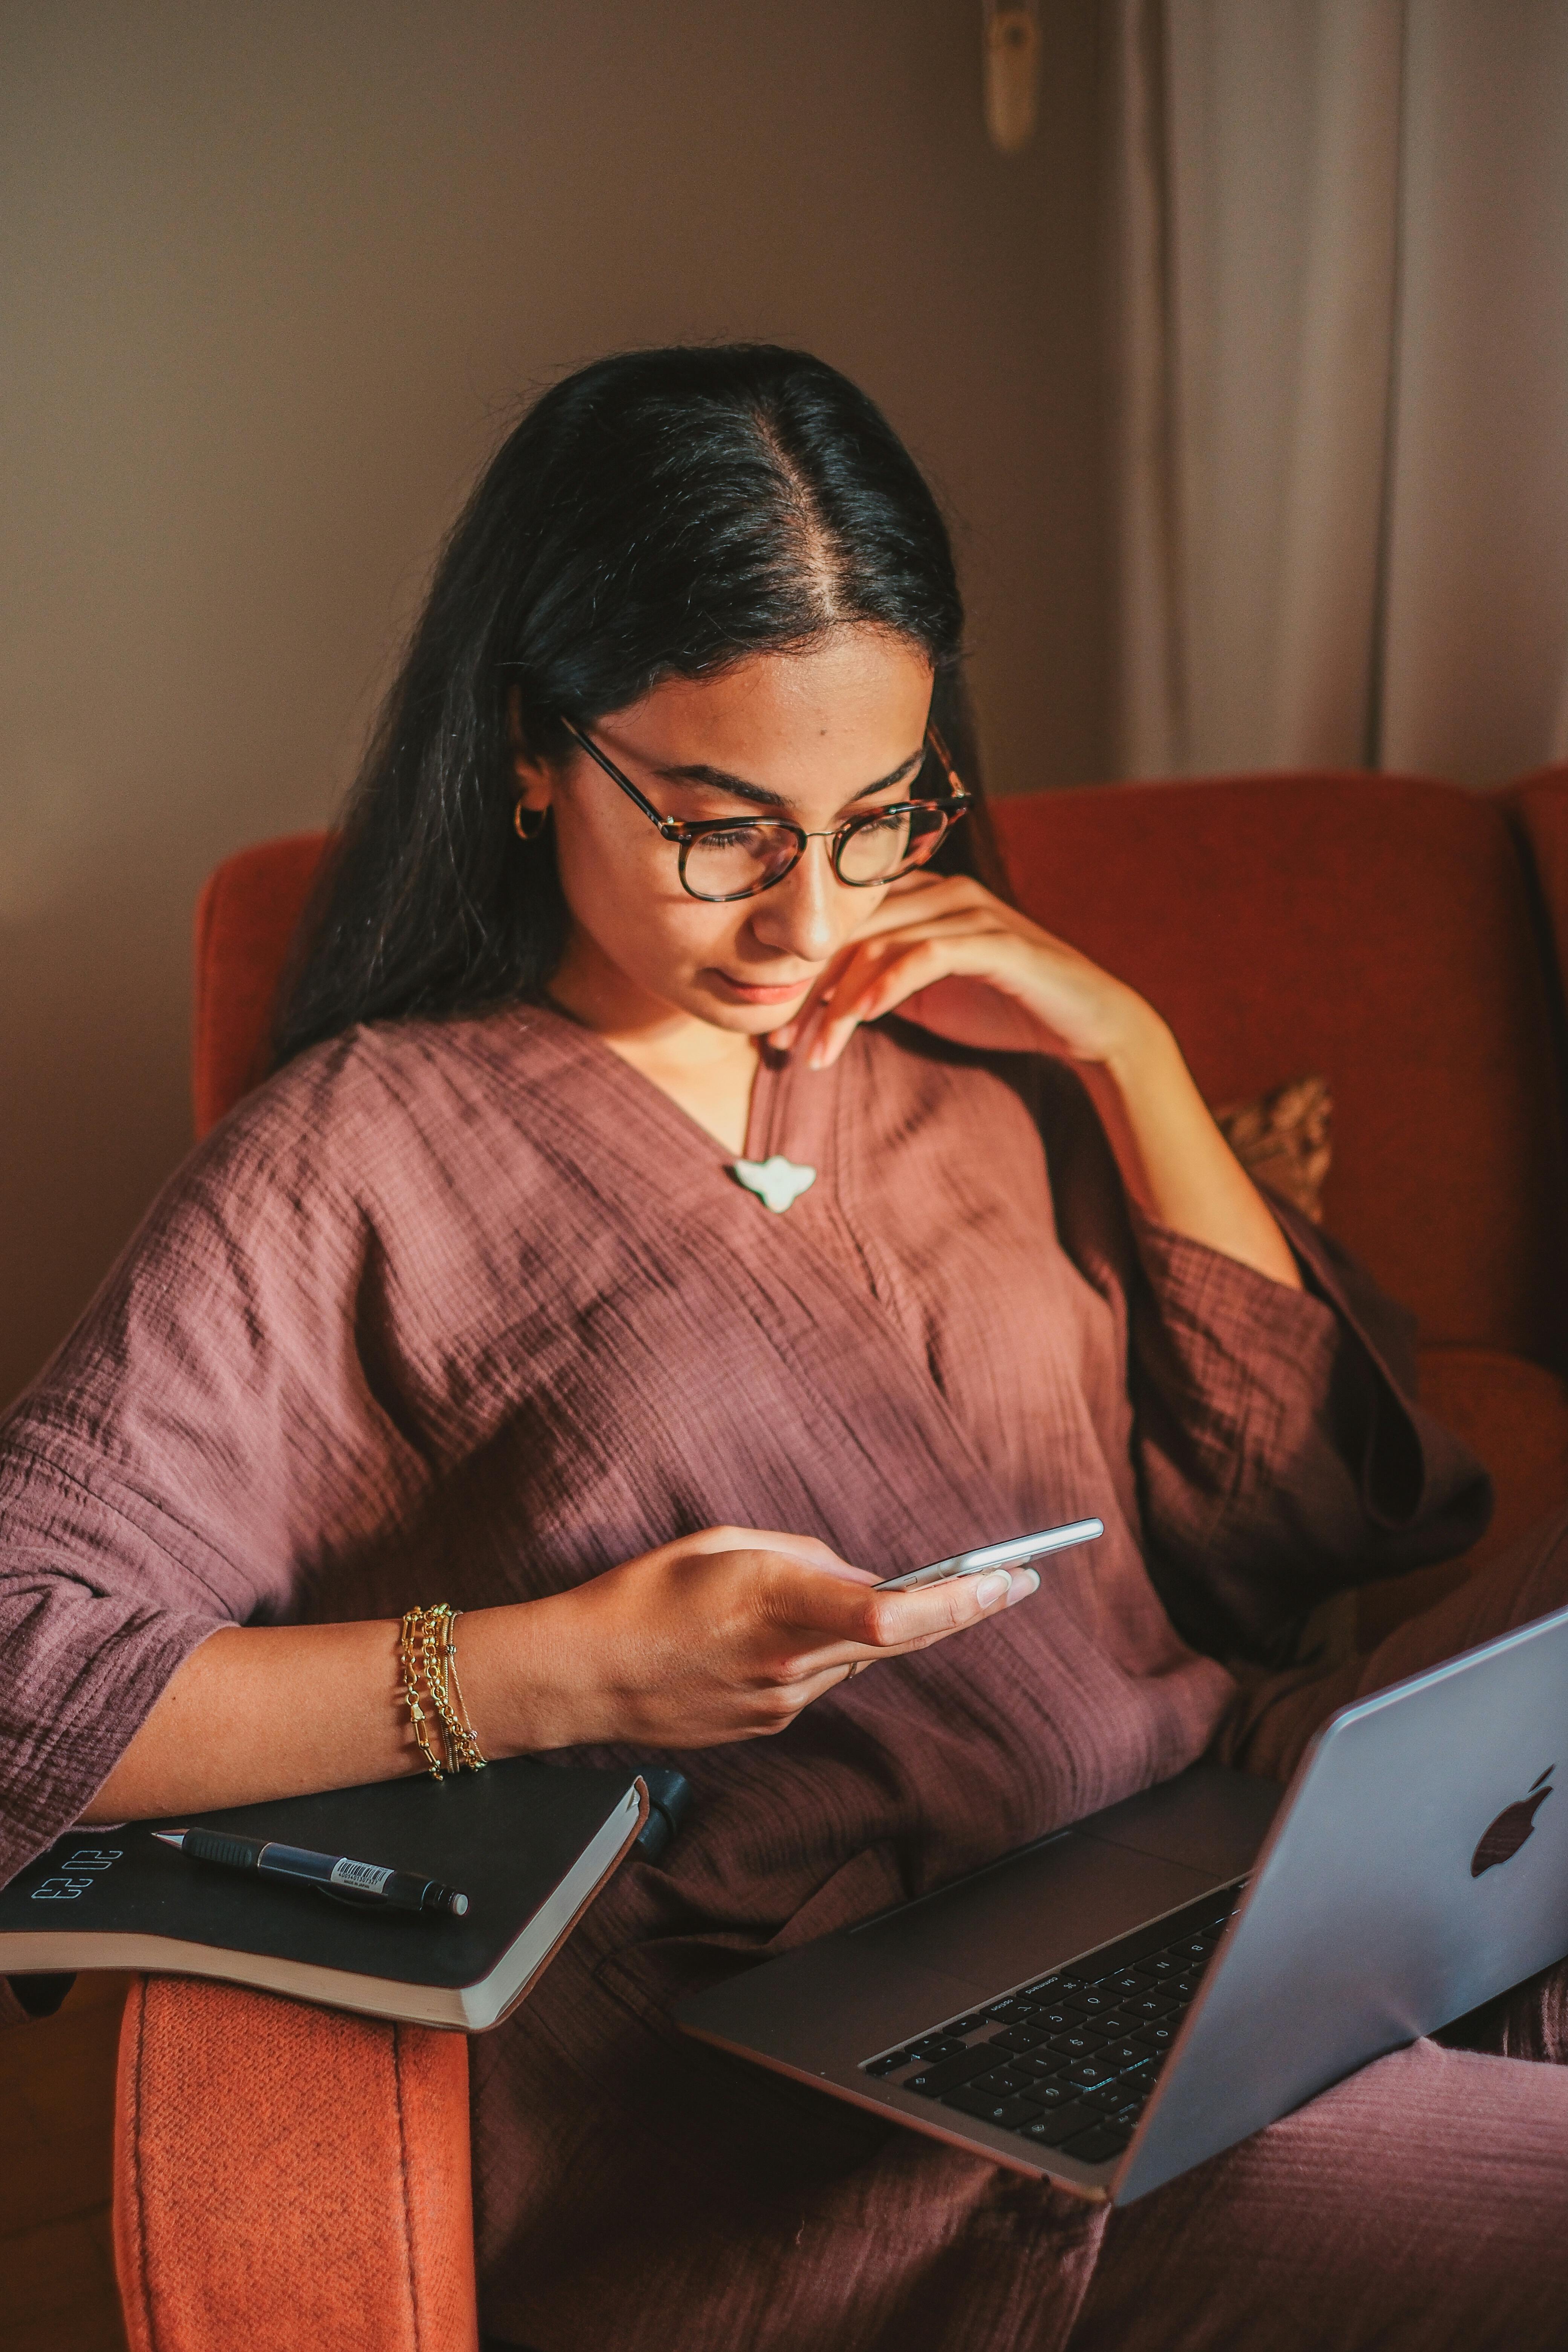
{"points": [[1069, 2060]]}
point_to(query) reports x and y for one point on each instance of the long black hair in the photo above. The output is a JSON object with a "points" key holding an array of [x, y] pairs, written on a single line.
{"points": [[659, 513]]}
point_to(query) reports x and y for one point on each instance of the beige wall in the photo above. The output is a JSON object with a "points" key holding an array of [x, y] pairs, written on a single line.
{"points": [[272, 276]]}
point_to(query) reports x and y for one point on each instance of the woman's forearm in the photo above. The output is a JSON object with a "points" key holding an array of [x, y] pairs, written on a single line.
{"points": [[1173, 1160], [262, 1711], [722, 1636]]}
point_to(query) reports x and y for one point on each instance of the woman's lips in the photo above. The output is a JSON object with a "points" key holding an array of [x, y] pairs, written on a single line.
{"points": [[745, 992]]}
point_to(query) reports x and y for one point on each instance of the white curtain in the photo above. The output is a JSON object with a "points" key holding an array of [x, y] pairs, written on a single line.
{"points": [[1343, 373]]}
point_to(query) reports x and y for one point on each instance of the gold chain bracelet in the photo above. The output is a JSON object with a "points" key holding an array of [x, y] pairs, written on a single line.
{"points": [[427, 1652]]}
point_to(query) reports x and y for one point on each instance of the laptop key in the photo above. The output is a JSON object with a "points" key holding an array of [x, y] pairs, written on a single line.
{"points": [[1125, 1985], [1057, 2124], [1156, 2035], [1052, 2093], [1123, 2055], [1114, 2024], [935, 2082], [1153, 2005], [1081, 2044], [1086, 2071], [1101, 2141], [1009, 2113], [1156, 1968], [1127, 2090], [1054, 2019], [1017, 2037], [1000, 2080], [924, 2052]]}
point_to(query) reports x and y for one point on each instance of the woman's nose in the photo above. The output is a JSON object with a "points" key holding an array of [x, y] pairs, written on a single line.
{"points": [[803, 915]]}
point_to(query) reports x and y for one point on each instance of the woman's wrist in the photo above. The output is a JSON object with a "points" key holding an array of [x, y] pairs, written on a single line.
{"points": [[522, 1673], [1141, 1052]]}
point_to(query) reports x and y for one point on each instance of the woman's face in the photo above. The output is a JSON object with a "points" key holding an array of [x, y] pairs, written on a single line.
{"points": [[817, 737]]}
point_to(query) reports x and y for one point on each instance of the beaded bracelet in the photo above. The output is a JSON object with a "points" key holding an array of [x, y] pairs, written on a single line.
{"points": [[427, 1650]]}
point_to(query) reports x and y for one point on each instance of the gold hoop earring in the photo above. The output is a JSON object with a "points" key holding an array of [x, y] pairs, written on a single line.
{"points": [[529, 823]]}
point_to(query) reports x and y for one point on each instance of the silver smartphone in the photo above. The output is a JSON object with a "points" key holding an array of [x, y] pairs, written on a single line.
{"points": [[999, 1555]]}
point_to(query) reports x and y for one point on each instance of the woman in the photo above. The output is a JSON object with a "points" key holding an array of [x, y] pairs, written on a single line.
{"points": [[486, 1297]]}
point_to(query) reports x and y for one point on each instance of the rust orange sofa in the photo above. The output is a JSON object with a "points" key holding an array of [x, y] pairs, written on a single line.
{"points": [[286, 2176]]}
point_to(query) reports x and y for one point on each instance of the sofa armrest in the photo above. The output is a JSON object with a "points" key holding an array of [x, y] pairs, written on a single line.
{"points": [[286, 2176]]}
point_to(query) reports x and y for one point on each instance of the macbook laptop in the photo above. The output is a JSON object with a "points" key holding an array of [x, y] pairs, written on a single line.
{"points": [[1127, 1997]]}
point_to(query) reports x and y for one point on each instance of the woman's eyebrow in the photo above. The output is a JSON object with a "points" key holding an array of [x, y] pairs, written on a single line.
{"points": [[720, 779]]}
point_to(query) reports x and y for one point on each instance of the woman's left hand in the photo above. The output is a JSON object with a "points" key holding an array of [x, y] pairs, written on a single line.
{"points": [[943, 952]]}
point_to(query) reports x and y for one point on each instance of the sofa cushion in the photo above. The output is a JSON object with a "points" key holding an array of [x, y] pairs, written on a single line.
{"points": [[1285, 1139], [1371, 928]]}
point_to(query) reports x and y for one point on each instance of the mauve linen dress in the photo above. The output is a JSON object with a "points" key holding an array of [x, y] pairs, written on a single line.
{"points": [[469, 1310]]}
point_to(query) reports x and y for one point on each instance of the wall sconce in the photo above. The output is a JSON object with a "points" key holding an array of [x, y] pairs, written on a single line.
{"points": [[1011, 36]]}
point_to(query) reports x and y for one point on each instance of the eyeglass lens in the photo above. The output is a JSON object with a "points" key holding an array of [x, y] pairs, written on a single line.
{"points": [[745, 859]]}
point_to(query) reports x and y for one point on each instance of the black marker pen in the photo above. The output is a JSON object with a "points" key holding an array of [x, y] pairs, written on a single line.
{"points": [[334, 1873]]}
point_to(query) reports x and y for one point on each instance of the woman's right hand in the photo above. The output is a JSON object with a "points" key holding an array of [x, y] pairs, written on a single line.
{"points": [[723, 1635]]}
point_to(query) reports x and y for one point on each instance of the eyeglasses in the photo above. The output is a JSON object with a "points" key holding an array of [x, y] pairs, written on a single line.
{"points": [[735, 858]]}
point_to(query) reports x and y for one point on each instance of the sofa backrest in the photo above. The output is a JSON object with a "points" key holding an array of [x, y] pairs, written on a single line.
{"points": [[247, 916], [1371, 928], [1538, 804], [1374, 929]]}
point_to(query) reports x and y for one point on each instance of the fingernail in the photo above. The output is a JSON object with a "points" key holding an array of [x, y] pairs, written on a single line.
{"points": [[1028, 1580], [990, 1588]]}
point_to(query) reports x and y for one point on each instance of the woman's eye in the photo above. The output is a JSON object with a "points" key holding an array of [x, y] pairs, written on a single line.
{"points": [[734, 836]]}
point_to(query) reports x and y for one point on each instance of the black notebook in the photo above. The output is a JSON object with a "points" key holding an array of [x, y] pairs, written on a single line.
{"points": [[529, 1845]]}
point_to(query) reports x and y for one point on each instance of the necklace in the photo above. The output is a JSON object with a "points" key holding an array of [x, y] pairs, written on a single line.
{"points": [[777, 1183]]}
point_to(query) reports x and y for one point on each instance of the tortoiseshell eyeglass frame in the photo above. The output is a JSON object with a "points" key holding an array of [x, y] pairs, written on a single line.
{"points": [[687, 835]]}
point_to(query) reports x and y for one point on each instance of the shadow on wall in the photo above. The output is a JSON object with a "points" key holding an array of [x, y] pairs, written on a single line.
{"points": [[94, 995], [273, 279]]}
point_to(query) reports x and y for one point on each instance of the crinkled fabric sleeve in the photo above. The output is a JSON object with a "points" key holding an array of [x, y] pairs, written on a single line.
{"points": [[204, 1432], [1278, 1451]]}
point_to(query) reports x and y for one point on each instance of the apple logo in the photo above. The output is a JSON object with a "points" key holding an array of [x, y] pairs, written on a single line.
{"points": [[1502, 1840]]}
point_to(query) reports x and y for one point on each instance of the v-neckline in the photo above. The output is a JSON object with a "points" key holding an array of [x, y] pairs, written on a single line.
{"points": [[783, 1110], [790, 1110], [784, 1106]]}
